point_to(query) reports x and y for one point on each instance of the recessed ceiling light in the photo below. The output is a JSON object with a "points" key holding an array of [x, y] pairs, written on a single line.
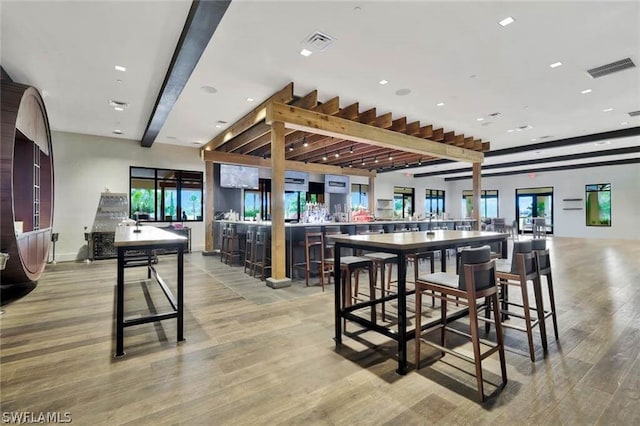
{"points": [[118, 108], [306, 52], [209, 89], [556, 64], [121, 68], [118, 105], [506, 21], [533, 139], [440, 104], [510, 131], [479, 119], [383, 82], [585, 91], [117, 132], [218, 126], [607, 110], [624, 123], [250, 99]]}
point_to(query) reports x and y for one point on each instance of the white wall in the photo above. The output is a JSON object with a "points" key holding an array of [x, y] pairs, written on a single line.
{"points": [[85, 165], [625, 198]]}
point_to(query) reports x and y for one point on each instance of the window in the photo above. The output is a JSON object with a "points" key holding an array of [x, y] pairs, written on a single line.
{"points": [[488, 203], [403, 201], [598, 204], [359, 196], [163, 195], [433, 201], [252, 203]]}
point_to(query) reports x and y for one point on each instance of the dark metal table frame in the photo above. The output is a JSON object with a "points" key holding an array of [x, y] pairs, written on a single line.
{"points": [[177, 305], [402, 336]]}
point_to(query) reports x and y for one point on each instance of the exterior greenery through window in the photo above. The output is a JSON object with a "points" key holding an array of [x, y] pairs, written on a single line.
{"points": [[488, 203], [434, 201], [598, 204], [403, 206], [164, 195], [359, 196]]}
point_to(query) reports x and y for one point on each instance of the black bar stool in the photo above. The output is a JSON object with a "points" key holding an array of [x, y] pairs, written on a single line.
{"points": [[539, 246], [234, 246], [350, 265], [224, 242], [249, 249]]}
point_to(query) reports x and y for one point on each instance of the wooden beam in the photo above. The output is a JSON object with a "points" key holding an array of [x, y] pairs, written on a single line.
{"points": [[486, 146], [331, 107], [468, 143], [384, 121], [371, 197], [300, 166], [477, 145], [438, 135], [350, 113], [278, 244], [208, 213], [284, 95], [399, 124], [311, 121], [368, 117], [413, 129], [202, 21], [310, 100], [477, 173], [426, 132], [459, 140]]}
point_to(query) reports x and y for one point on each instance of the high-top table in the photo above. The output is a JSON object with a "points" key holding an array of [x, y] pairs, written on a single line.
{"points": [[148, 239], [400, 244]]}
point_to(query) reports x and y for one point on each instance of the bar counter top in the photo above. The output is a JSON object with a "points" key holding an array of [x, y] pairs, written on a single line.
{"points": [[376, 222]]}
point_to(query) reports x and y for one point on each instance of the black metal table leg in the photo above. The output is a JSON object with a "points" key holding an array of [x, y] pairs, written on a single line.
{"points": [[337, 293], [120, 305], [180, 293], [402, 315]]}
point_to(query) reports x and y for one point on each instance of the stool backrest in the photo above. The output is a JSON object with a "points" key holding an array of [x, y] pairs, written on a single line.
{"points": [[361, 229], [377, 228], [499, 224], [540, 247], [521, 247], [330, 230], [471, 256], [400, 228]]}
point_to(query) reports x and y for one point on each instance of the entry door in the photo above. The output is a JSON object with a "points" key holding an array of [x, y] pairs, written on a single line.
{"points": [[532, 205]]}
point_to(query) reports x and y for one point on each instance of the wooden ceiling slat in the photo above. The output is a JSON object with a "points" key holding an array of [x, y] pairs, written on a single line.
{"points": [[486, 146], [331, 107], [413, 129], [311, 121], [459, 140], [468, 143], [285, 95], [477, 144], [426, 132], [449, 137], [350, 113], [399, 124], [384, 121], [438, 135], [368, 117]]}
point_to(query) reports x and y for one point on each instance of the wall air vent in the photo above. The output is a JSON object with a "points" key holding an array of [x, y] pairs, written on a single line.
{"points": [[634, 113], [318, 41], [607, 69]]}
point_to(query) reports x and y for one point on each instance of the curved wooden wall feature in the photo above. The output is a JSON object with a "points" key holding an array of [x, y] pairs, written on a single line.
{"points": [[25, 141]]}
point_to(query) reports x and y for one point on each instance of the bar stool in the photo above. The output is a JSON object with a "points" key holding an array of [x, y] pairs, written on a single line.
{"points": [[234, 247], [313, 243], [478, 281], [329, 247], [522, 269], [350, 265], [539, 246], [262, 252], [539, 227], [224, 242], [380, 263], [400, 228], [376, 228], [249, 247]]}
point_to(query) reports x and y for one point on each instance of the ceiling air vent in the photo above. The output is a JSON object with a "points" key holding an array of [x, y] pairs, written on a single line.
{"points": [[611, 68], [634, 113], [318, 41], [495, 114]]}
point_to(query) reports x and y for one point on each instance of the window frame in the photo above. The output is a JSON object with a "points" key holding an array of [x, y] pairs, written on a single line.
{"points": [[598, 190], [483, 197], [432, 196], [183, 179]]}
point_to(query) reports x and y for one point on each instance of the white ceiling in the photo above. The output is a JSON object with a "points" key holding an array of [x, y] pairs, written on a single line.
{"points": [[451, 52]]}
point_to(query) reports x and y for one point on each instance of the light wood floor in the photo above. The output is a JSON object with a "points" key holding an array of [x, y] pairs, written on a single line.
{"points": [[254, 355]]}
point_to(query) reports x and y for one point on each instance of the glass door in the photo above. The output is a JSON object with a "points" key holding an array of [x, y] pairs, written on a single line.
{"points": [[534, 203]]}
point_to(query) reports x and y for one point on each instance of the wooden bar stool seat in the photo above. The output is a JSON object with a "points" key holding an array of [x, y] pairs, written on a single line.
{"points": [[477, 282], [353, 265]]}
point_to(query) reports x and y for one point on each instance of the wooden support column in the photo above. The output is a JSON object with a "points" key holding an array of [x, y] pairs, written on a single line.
{"points": [[278, 277], [477, 169], [208, 209], [372, 200]]}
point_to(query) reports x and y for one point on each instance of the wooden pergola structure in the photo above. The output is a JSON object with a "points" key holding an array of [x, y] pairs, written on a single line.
{"points": [[299, 133]]}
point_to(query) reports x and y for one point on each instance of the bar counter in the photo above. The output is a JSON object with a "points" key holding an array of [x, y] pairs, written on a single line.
{"points": [[294, 232]]}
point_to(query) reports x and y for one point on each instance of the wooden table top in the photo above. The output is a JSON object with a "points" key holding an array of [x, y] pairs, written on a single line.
{"points": [[148, 235], [415, 240]]}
